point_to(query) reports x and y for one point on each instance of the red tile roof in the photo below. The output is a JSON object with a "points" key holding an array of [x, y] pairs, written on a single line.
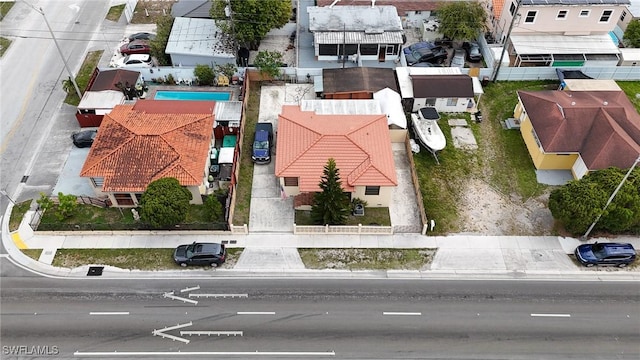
{"points": [[140, 143], [498, 5], [603, 126], [360, 144], [401, 5]]}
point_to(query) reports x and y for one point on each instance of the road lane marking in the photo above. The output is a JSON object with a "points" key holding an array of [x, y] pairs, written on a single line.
{"points": [[256, 313], [109, 313], [391, 313], [190, 289], [203, 353], [550, 315], [224, 296]]}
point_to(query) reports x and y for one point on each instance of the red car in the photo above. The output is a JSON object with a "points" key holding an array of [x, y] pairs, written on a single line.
{"points": [[135, 47]]}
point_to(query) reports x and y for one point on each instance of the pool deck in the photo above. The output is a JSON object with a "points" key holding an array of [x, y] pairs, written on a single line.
{"points": [[233, 89]]}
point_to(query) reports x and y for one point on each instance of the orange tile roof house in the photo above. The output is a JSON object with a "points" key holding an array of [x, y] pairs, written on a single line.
{"points": [[360, 144], [579, 131], [149, 140]]}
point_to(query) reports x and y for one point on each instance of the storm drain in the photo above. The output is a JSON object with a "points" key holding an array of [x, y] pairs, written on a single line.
{"points": [[95, 270]]}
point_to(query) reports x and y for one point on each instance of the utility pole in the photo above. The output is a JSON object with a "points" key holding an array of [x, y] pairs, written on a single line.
{"points": [[64, 60], [506, 41], [584, 237], [229, 13]]}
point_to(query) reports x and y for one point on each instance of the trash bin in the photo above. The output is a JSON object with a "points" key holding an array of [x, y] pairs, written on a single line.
{"points": [[485, 81]]}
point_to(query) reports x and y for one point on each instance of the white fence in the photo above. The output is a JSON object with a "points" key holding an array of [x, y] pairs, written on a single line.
{"points": [[343, 229]]}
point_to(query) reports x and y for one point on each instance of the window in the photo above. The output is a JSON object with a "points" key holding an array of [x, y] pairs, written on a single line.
{"points": [[123, 199], [392, 49], [369, 49], [606, 15], [531, 17], [452, 101], [349, 49], [418, 12], [624, 15], [562, 14], [584, 13], [291, 181], [430, 102], [535, 137], [512, 9], [328, 49], [372, 190], [97, 182]]}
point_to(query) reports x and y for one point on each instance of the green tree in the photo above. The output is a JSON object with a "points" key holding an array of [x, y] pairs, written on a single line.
{"points": [[227, 69], [164, 203], [268, 63], [159, 44], [213, 208], [44, 202], [67, 206], [577, 204], [67, 85], [205, 74], [330, 206], [252, 19], [632, 34], [461, 20]]}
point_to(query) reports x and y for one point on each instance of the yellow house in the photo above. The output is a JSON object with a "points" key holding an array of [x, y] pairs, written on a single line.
{"points": [[579, 131], [360, 145]]}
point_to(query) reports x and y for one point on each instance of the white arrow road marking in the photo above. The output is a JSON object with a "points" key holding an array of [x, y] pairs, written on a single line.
{"points": [[550, 315], [219, 295], [74, 7], [402, 313], [209, 333], [109, 313], [174, 297], [190, 289], [204, 353], [172, 337], [256, 313]]}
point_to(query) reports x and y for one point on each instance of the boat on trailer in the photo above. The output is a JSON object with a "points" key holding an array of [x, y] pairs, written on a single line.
{"points": [[425, 124]]}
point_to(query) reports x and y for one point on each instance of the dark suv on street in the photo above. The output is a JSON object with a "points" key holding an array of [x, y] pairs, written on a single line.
{"points": [[211, 254], [615, 254]]}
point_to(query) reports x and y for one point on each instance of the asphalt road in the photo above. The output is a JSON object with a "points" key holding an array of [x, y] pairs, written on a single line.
{"points": [[314, 318], [35, 125]]}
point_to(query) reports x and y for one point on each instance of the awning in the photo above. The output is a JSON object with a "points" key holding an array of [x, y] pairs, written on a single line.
{"points": [[106, 99], [357, 37], [563, 44]]}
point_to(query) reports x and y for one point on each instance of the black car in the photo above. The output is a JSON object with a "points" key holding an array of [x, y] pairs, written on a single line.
{"points": [[615, 254], [142, 36], [262, 143], [83, 139], [211, 254], [473, 51], [435, 55]]}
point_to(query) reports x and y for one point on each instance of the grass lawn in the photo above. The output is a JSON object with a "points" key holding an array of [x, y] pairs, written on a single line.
{"points": [[631, 88], [5, 6], [501, 160], [89, 64], [148, 12], [366, 259], [4, 45], [115, 12], [245, 178], [139, 259], [32, 253], [372, 216], [17, 213], [90, 217]]}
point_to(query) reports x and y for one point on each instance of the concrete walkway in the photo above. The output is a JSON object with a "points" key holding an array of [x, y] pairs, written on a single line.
{"points": [[275, 254]]}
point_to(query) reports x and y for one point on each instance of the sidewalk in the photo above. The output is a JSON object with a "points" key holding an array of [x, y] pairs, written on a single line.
{"points": [[275, 254]]}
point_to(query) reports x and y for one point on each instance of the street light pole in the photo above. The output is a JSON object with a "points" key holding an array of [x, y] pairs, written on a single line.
{"points": [[64, 60], [584, 237]]}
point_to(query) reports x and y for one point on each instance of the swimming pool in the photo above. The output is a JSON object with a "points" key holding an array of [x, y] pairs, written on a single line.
{"points": [[192, 95]]}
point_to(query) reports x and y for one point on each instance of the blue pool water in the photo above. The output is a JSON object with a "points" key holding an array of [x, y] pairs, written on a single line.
{"points": [[192, 95]]}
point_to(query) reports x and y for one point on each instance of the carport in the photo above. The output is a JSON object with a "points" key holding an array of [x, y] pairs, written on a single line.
{"points": [[564, 50]]}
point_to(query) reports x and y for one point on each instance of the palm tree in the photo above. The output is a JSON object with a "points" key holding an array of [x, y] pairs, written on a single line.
{"points": [[67, 85]]}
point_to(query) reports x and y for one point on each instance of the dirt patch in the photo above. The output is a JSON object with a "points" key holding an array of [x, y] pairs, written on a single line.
{"points": [[149, 11], [367, 259], [487, 211]]}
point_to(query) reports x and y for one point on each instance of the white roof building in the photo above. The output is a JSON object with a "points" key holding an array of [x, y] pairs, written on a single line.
{"points": [[198, 41]]}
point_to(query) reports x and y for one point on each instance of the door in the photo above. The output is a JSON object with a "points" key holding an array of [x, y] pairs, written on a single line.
{"points": [[382, 51]]}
